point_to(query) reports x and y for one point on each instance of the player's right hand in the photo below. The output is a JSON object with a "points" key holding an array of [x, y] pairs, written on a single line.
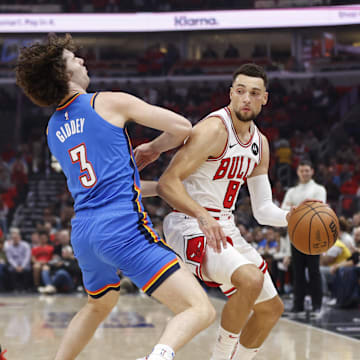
{"points": [[215, 236], [145, 155]]}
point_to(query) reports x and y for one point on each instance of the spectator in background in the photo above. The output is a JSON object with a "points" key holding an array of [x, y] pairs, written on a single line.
{"points": [[35, 239], [268, 245], [209, 53], [3, 265], [231, 52], [281, 261], [63, 237], [19, 174], [5, 179], [356, 220], [344, 234], [357, 238], [41, 255], [61, 274], [306, 189], [18, 253], [278, 193], [337, 254], [48, 216], [172, 55], [283, 155], [3, 216]]}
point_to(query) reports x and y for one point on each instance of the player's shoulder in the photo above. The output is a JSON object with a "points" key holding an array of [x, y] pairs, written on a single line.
{"points": [[111, 97], [262, 136], [213, 125]]}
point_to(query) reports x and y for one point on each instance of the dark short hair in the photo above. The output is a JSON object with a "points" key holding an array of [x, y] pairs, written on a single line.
{"points": [[305, 162], [252, 70], [41, 70], [43, 232]]}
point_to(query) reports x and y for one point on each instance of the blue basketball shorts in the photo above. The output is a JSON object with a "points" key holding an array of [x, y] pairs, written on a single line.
{"points": [[106, 243]]}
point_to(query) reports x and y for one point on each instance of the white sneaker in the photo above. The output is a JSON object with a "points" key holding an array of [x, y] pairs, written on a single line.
{"points": [[41, 289], [50, 289]]}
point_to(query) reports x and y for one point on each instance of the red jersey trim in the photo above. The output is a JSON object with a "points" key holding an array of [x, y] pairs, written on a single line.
{"points": [[260, 145], [227, 141]]}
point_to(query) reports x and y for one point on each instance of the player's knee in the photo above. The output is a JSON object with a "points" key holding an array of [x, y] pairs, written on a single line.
{"points": [[105, 304], [278, 307], [206, 312], [248, 279], [272, 309]]}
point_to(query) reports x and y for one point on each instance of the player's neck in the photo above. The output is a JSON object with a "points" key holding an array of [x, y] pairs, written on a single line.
{"points": [[73, 90], [243, 128]]}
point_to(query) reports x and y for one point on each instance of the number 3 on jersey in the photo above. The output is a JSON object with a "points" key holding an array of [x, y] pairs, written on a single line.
{"points": [[78, 154]]}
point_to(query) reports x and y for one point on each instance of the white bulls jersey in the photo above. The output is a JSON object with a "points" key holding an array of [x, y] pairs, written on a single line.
{"points": [[216, 183]]}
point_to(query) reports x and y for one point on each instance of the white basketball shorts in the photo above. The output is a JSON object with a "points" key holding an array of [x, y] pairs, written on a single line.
{"points": [[183, 234]]}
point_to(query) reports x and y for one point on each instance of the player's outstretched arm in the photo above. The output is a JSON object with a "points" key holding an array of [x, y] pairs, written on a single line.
{"points": [[208, 138], [118, 108], [264, 210]]}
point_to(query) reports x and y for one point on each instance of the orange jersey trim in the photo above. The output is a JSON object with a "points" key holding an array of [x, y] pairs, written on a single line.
{"points": [[158, 275], [138, 205], [92, 100], [68, 102], [97, 292]]}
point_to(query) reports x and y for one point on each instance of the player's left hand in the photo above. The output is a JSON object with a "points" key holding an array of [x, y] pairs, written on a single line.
{"points": [[145, 155]]}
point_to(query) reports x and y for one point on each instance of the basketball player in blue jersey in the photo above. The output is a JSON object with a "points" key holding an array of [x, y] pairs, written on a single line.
{"points": [[110, 230]]}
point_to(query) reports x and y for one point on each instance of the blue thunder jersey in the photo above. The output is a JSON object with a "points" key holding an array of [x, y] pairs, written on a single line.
{"points": [[111, 230], [95, 156]]}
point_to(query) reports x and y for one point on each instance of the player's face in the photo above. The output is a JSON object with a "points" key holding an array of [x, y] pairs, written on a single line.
{"points": [[76, 69], [305, 173], [248, 95]]}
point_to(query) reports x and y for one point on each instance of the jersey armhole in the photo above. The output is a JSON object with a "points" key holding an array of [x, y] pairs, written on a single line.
{"points": [[211, 158], [92, 101]]}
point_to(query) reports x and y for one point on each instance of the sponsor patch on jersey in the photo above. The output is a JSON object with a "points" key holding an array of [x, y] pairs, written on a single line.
{"points": [[254, 149]]}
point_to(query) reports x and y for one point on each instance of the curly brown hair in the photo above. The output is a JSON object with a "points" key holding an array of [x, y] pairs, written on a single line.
{"points": [[40, 70]]}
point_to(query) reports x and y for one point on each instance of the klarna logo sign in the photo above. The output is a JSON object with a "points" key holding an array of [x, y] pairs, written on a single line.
{"points": [[183, 21]]}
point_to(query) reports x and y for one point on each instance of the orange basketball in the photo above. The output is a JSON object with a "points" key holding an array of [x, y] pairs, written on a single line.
{"points": [[313, 228]]}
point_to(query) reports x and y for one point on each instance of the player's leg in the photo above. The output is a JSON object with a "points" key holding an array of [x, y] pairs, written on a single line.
{"points": [[244, 283], [182, 294], [248, 281], [264, 317], [265, 313], [100, 281], [84, 323]]}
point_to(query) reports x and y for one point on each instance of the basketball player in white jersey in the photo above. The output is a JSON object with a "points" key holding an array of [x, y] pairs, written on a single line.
{"points": [[202, 183]]}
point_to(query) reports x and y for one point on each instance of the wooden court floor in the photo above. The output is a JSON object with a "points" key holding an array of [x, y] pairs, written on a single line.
{"points": [[31, 328]]}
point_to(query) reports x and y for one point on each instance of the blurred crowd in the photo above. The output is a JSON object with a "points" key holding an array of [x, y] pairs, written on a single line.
{"points": [[301, 121]]}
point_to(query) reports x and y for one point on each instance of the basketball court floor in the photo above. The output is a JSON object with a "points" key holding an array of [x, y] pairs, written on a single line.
{"points": [[31, 327]]}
